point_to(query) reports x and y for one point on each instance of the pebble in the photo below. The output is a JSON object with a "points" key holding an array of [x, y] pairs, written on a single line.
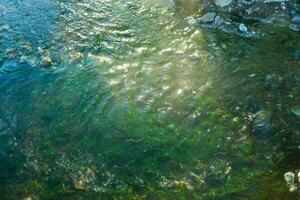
{"points": [[289, 177], [46, 61], [243, 28]]}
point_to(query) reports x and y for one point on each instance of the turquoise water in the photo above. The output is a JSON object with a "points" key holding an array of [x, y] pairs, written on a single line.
{"points": [[121, 99]]}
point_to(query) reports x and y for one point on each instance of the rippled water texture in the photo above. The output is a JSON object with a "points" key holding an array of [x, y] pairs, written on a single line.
{"points": [[116, 99]]}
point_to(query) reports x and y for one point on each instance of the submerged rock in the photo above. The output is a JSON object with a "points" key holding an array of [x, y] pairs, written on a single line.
{"points": [[3, 127], [262, 123], [223, 3], [191, 20], [265, 11], [219, 169], [4, 28], [295, 27], [244, 31], [243, 28], [289, 177], [212, 20], [164, 3], [79, 185], [218, 21], [2, 8], [195, 57], [9, 66], [46, 61], [297, 54], [273, 81], [296, 19], [208, 18], [296, 111], [183, 183], [27, 198]]}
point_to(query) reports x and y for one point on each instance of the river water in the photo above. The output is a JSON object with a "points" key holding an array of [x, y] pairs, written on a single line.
{"points": [[116, 99]]}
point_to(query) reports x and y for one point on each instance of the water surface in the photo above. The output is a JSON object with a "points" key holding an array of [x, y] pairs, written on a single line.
{"points": [[116, 99]]}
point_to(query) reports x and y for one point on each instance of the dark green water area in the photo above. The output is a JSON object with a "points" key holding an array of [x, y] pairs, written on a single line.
{"points": [[116, 99]]}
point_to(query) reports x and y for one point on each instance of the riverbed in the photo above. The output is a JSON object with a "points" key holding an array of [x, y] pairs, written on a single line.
{"points": [[116, 99]]}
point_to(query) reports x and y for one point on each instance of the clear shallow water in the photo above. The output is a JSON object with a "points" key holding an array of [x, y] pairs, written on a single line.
{"points": [[138, 104]]}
